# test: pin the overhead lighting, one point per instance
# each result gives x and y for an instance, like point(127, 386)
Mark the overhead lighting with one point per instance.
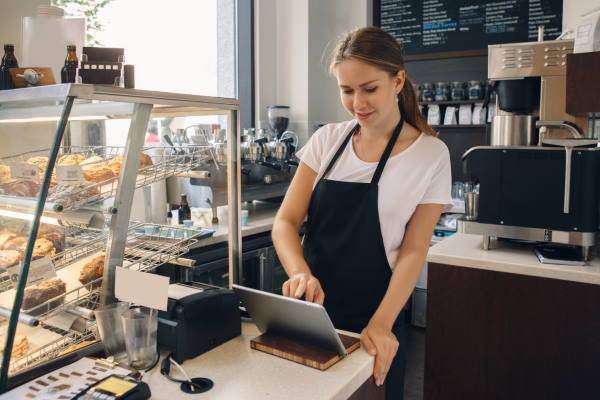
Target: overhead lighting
point(51, 119)
point(27, 217)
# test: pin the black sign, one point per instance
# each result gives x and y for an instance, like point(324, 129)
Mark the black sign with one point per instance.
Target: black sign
point(434, 26)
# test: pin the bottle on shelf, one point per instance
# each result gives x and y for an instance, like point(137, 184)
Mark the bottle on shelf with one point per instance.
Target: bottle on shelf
point(8, 61)
point(169, 215)
point(68, 73)
point(184, 209)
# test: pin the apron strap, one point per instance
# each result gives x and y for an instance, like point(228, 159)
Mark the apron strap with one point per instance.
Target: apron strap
point(387, 152)
point(340, 150)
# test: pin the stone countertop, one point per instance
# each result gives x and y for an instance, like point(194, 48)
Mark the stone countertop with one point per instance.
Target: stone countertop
point(239, 372)
point(466, 250)
point(260, 219)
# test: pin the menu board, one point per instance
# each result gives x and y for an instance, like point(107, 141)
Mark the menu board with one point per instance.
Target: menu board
point(433, 26)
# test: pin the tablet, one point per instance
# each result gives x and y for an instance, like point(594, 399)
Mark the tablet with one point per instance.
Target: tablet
point(294, 318)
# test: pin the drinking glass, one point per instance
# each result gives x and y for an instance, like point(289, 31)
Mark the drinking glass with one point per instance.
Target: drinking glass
point(110, 328)
point(140, 326)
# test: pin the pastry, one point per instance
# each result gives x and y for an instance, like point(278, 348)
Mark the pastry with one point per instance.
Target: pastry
point(4, 238)
point(11, 228)
point(15, 243)
point(92, 270)
point(64, 193)
point(41, 162)
point(5, 175)
point(42, 247)
point(53, 234)
point(90, 160)
point(22, 188)
point(70, 159)
point(20, 346)
point(42, 292)
point(9, 258)
point(116, 162)
point(76, 346)
point(97, 173)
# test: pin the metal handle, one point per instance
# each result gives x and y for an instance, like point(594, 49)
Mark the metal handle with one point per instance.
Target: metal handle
point(23, 318)
point(568, 152)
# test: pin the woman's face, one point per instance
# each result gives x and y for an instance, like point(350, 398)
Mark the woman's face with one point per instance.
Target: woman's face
point(369, 93)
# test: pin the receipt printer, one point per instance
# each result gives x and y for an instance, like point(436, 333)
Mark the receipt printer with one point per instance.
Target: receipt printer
point(198, 318)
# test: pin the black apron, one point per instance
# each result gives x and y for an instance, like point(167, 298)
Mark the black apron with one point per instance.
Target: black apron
point(344, 249)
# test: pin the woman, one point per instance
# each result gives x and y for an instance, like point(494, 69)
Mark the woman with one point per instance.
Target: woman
point(373, 189)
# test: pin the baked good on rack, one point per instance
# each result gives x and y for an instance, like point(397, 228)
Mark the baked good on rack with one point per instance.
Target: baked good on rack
point(5, 174)
point(90, 160)
point(41, 162)
point(70, 159)
point(76, 346)
point(97, 173)
point(67, 193)
point(15, 243)
point(41, 248)
point(11, 228)
point(116, 162)
point(42, 292)
point(5, 237)
point(20, 346)
point(8, 258)
point(22, 188)
point(53, 234)
point(92, 270)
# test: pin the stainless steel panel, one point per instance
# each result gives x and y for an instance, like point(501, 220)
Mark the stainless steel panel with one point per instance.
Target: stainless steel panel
point(513, 130)
point(518, 60)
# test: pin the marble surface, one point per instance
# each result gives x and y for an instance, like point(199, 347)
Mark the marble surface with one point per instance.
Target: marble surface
point(466, 250)
point(239, 372)
point(260, 219)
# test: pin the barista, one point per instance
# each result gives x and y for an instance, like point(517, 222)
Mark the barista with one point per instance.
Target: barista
point(373, 188)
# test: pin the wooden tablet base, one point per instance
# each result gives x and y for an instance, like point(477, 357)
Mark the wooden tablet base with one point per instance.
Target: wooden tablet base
point(302, 353)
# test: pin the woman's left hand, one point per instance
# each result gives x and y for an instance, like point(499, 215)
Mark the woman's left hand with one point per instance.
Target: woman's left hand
point(380, 342)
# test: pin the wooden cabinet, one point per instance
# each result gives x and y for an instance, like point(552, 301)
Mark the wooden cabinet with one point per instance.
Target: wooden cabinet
point(493, 335)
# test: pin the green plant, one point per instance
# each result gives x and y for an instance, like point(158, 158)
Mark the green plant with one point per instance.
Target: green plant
point(89, 9)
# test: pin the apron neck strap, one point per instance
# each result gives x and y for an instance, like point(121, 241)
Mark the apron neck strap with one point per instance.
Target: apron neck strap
point(387, 152)
point(382, 160)
point(340, 150)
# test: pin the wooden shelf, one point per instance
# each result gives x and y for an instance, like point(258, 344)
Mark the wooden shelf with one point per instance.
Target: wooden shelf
point(477, 126)
point(425, 103)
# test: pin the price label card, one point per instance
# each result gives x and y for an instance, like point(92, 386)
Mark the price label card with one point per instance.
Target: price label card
point(40, 270)
point(26, 171)
point(69, 174)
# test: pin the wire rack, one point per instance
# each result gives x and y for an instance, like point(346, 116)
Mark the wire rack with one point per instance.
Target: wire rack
point(51, 350)
point(166, 162)
point(148, 246)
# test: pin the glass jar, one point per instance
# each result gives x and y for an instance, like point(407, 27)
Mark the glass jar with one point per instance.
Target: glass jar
point(442, 91)
point(457, 91)
point(427, 92)
point(475, 90)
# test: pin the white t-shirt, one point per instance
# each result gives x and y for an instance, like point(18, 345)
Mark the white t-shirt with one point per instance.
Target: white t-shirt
point(420, 174)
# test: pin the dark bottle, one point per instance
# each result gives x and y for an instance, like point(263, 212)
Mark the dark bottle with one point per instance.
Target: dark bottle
point(8, 61)
point(184, 209)
point(68, 73)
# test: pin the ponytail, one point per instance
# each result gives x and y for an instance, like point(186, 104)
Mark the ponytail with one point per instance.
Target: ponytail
point(409, 109)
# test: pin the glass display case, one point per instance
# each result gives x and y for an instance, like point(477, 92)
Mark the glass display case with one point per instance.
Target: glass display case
point(82, 191)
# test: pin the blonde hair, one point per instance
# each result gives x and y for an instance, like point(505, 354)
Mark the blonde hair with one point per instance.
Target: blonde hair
point(376, 47)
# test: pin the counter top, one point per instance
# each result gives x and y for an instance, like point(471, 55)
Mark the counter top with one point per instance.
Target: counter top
point(466, 250)
point(260, 219)
point(239, 372)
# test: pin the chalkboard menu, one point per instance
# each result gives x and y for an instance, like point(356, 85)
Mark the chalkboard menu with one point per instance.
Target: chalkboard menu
point(442, 26)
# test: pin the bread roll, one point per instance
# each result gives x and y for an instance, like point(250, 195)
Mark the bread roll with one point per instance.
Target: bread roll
point(42, 292)
point(116, 162)
point(91, 160)
point(97, 173)
point(41, 162)
point(70, 159)
point(8, 258)
point(92, 270)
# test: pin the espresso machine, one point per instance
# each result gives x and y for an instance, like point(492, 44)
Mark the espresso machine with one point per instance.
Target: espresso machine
point(539, 177)
point(268, 162)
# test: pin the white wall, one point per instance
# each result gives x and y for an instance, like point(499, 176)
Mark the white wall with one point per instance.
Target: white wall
point(573, 9)
point(10, 21)
point(293, 39)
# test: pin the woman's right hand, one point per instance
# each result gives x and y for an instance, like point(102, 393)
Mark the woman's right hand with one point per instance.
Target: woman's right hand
point(304, 284)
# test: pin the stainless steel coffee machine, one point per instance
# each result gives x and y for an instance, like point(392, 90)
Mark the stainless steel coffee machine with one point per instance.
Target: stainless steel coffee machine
point(530, 82)
point(539, 180)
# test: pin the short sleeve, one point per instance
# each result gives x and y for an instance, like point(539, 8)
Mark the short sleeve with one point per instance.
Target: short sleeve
point(440, 185)
point(312, 152)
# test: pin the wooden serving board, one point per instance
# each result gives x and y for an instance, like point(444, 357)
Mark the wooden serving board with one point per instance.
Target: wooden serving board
point(302, 353)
